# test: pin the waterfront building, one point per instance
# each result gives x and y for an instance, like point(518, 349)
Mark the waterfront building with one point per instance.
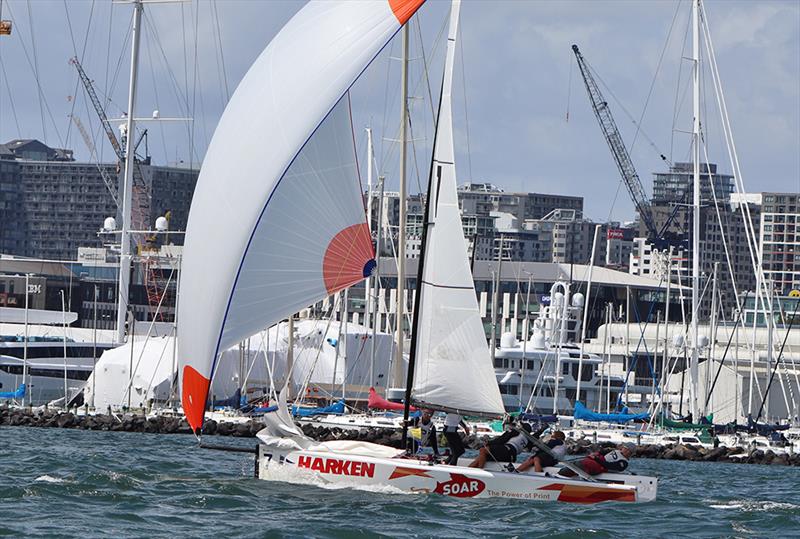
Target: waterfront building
point(50, 204)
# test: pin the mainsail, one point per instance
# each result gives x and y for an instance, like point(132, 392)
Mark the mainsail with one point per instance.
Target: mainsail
point(453, 369)
point(277, 219)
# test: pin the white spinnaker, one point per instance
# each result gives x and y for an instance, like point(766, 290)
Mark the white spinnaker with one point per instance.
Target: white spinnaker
point(453, 369)
point(263, 239)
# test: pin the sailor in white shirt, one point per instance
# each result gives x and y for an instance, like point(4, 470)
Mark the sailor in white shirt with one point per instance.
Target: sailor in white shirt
point(451, 424)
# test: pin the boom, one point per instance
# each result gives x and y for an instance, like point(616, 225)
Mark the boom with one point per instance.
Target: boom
point(621, 156)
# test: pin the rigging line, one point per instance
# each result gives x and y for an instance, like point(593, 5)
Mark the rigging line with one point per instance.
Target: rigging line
point(196, 14)
point(36, 67)
point(221, 55)
point(655, 75)
point(75, 52)
point(10, 96)
point(185, 68)
point(625, 110)
point(386, 99)
point(466, 107)
point(181, 97)
point(414, 154)
point(36, 77)
point(426, 71)
point(216, 54)
point(105, 76)
point(148, 50)
point(676, 104)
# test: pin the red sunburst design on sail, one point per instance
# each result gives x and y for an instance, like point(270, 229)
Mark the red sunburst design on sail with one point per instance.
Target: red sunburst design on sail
point(349, 258)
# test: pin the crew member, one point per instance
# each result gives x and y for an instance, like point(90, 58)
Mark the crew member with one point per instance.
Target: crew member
point(615, 460)
point(428, 431)
point(540, 460)
point(504, 448)
point(454, 442)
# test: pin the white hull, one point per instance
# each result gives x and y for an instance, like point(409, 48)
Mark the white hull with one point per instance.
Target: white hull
point(414, 476)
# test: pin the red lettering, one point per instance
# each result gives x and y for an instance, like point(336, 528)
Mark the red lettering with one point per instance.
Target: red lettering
point(367, 469)
point(337, 467)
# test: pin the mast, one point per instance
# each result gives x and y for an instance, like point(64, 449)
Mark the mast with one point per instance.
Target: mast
point(127, 199)
point(376, 282)
point(712, 339)
point(367, 302)
point(586, 312)
point(447, 82)
point(64, 342)
point(693, 371)
point(665, 357)
point(344, 343)
point(401, 231)
point(25, 347)
point(495, 298)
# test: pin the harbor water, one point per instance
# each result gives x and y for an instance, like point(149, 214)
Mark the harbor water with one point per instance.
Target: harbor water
point(67, 483)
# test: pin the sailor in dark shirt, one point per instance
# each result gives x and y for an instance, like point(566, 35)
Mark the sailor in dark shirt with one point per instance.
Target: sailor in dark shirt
point(504, 448)
point(540, 459)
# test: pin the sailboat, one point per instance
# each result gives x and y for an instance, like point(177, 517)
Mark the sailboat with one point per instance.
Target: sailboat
point(299, 234)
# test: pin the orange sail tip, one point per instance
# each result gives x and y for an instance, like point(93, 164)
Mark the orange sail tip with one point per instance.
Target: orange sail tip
point(195, 392)
point(404, 9)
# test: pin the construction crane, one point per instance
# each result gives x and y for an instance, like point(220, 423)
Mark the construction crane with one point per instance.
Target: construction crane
point(98, 107)
point(141, 193)
point(87, 139)
point(660, 237)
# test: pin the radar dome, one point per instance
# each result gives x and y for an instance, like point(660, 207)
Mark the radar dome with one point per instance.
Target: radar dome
point(677, 341)
point(162, 224)
point(110, 224)
point(508, 340)
point(578, 300)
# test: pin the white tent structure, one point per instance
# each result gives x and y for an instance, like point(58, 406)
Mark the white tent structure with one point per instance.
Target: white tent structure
point(317, 371)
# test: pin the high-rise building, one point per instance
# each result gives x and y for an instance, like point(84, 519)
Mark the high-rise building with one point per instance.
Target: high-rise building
point(50, 204)
point(676, 186)
point(780, 240)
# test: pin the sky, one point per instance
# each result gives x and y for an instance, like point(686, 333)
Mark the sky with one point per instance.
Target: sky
point(522, 118)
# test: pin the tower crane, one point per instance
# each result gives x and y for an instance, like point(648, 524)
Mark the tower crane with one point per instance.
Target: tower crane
point(660, 237)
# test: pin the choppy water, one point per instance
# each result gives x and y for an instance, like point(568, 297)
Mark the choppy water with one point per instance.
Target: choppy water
point(64, 483)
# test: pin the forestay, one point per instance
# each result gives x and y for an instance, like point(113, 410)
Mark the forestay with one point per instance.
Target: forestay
point(277, 219)
point(453, 369)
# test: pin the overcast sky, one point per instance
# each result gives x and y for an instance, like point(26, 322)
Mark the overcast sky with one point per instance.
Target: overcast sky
point(515, 81)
